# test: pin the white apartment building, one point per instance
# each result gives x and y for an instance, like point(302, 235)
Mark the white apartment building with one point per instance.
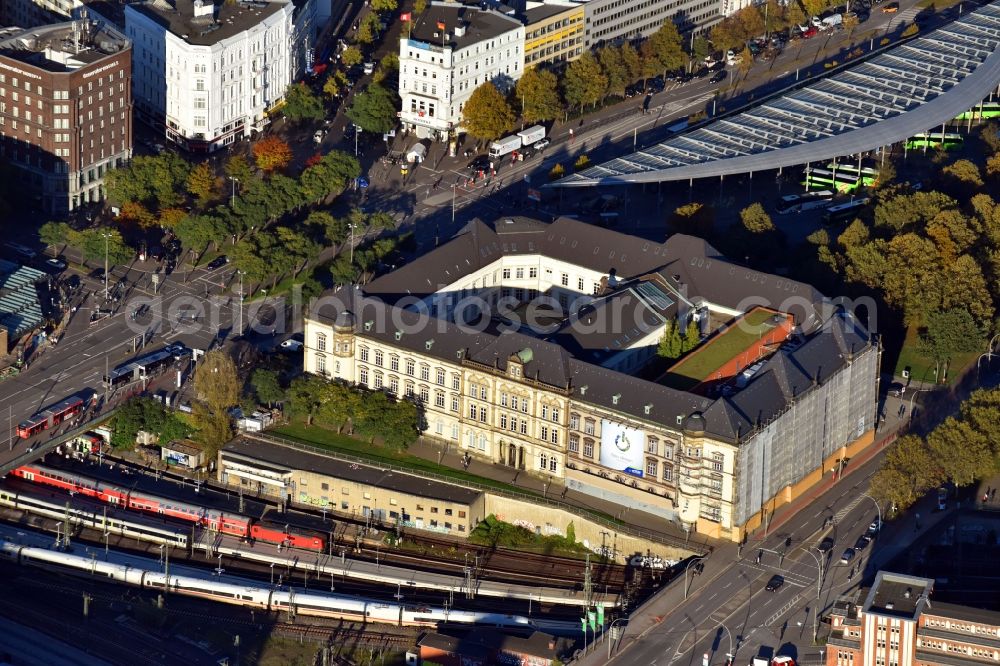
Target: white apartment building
point(451, 50)
point(615, 21)
point(207, 73)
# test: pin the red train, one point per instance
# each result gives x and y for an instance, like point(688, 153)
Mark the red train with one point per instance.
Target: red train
point(213, 519)
point(49, 417)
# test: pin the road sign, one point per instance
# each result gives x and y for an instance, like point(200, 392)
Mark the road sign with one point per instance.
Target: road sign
point(362, 182)
point(704, 659)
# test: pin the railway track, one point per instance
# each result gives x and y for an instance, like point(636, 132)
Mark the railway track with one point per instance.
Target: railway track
point(492, 564)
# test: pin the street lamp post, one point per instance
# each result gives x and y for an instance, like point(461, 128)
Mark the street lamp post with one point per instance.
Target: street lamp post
point(232, 197)
point(240, 330)
point(909, 417)
point(819, 586)
point(106, 236)
point(611, 629)
point(693, 560)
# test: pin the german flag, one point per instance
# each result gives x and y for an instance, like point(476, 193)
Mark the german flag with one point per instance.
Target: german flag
point(440, 25)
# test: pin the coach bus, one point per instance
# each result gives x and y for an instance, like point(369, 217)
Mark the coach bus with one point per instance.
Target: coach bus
point(142, 368)
point(945, 140)
point(840, 181)
point(845, 211)
point(49, 417)
point(985, 111)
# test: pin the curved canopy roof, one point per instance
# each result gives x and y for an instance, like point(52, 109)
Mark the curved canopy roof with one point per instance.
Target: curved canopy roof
point(911, 88)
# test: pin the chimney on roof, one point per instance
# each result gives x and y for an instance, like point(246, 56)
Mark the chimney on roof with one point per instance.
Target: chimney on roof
point(203, 8)
point(552, 643)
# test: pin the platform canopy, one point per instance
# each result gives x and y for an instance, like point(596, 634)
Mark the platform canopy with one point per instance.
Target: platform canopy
point(911, 88)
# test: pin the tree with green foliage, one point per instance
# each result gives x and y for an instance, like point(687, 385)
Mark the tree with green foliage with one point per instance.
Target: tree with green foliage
point(668, 346)
point(301, 104)
point(385, 5)
point(950, 332)
point(266, 386)
point(666, 44)
point(756, 220)
point(203, 184)
point(154, 181)
point(374, 109)
point(701, 48)
point(147, 415)
point(368, 29)
point(305, 396)
point(54, 233)
point(538, 93)
point(100, 243)
point(908, 471)
point(296, 249)
point(583, 82)
point(903, 211)
point(487, 115)
point(613, 66)
point(216, 382)
point(330, 176)
point(962, 452)
point(419, 6)
point(352, 56)
point(965, 172)
point(197, 232)
point(239, 168)
point(692, 336)
point(693, 218)
point(631, 61)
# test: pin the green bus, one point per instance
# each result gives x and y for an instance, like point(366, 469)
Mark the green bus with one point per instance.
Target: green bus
point(846, 167)
point(844, 212)
point(986, 111)
point(944, 140)
point(840, 181)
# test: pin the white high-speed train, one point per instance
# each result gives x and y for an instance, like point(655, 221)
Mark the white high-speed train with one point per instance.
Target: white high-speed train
point(249, 593)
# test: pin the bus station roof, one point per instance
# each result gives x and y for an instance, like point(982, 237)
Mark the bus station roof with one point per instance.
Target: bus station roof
point(911, 88)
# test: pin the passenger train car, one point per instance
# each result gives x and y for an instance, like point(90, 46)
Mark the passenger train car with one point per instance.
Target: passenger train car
point(213, 519)
point(249, 593)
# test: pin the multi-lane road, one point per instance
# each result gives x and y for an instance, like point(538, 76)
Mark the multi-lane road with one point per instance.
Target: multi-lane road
point(729, 611)
point(195, 307)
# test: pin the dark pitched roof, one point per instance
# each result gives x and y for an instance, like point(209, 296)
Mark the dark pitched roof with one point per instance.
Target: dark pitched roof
point(958, 612)
point(479, 25)
point(229, 19)
point(687, 264)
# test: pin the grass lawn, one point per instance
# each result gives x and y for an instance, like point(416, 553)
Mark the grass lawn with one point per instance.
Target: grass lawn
point(707, 359)
point(921, 367)
point(328, 439)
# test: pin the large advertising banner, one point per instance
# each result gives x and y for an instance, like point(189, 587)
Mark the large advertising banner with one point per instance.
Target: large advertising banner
point(622, 447)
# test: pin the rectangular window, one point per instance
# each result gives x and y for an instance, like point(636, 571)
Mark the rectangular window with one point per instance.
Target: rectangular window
point(425, 373)
point(482, 415)
point(532, 272)
point(364, 354)
point(454, 403)
point(456, 383)
point(440, 377)
point(363, 375)
point(394, 363)
point(410, 367)
point(588, 448)
point(520, 273)
point(379, 357)
point(564, 280)
point(506, 274)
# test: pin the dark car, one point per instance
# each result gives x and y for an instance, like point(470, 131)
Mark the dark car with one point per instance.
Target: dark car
point(479, 163)
point(775, 582)
point(862, 542)
point(719, 76)
point(702, 73)
point(826, 545)
point(218, 262)
point(847, 556)
point(73, 282)
point(685, 77)
point(717, 67)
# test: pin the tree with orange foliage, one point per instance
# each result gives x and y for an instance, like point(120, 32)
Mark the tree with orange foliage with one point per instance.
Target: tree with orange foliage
point(170, 217)
point(271, 153)
point(314, 160)
point(133, 211)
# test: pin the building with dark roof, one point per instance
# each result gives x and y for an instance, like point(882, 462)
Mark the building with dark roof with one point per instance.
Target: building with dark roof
point(896, 622)
point(209, 73)
point(553, 32)
point(65, 110)
point(525, 343)
point(450, 50)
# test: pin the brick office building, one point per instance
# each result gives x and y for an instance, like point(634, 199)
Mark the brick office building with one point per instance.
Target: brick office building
point(65, 110)
point(895, 623)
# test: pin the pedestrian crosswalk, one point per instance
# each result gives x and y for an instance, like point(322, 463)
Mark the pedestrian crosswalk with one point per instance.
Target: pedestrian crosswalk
point(906, 16)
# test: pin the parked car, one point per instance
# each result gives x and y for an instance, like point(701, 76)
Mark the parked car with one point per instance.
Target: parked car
point(218, 262)
point(55, 265)
point(479, 163)
point(369, 68)
point(178, 350)
point(847, 556)
point(719, 76)
point(291, 345)
point(774, 583)
point(891, 8)
point(875, 527)
point(826, 545)
point(897, 389)
point(318, 136)
point(862, 542)
point(809, 32)
point(541, 145)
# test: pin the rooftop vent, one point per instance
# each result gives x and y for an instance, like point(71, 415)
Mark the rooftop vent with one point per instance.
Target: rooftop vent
point(889, 605)
point(615, 398)
point(460, 30)
point(368, 325)
point(203, 8)
point(428, 344)
point(909, 591)
point(648, 408)
point(399, 335)
point(525, 355)
point(583, 390)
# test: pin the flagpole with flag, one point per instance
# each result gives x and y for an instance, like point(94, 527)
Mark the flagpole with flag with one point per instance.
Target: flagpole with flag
point(442, 27)
point(408, 17)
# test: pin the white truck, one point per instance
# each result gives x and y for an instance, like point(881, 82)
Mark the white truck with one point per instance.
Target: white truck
point(531, 135)
point(833, 21)
point(504, 146)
